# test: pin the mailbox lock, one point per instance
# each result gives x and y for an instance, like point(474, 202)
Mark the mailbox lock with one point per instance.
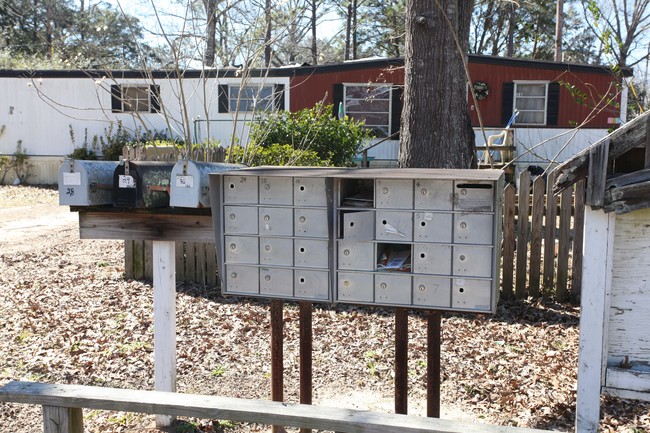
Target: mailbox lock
point(422, 288)
point(302, 187)
point(302, 219)
point(384, 190)
point(267, 218)
point(463, 191)
point(302, 249)
point(302, 279)
point(267, 247)
point(422, 255)
point(462, 258)
point(234, 275)
point(232, 186)
point(233, 246)
point(463, 225)
point(461, 290)
point(267, 186)
point(267, 277)
point(423, 191)
point(383, 285)
point(346, 252)
point(233, 216)
point(346, 283)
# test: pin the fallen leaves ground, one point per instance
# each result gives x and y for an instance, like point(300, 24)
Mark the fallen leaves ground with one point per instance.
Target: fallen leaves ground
point(68, 316)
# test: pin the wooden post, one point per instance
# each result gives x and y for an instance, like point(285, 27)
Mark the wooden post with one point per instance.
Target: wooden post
point(164, 321)
point(596, 284)
point(522, 235)
point(62, 419)
point(277, 355)
point(401, 360)
point(434, 342)
point(536, 237)
point(508, 258)
point(305, 356)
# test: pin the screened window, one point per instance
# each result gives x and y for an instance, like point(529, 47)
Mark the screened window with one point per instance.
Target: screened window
point(370, 103)
point(530, 102)
point(139, 98)
point(250, 98)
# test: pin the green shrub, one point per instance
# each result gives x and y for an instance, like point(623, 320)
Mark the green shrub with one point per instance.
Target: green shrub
point(275, 154)
point(334, 140)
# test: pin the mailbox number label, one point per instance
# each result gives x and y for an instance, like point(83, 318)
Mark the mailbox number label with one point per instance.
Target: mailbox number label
point(185, 181)
point(72, 178)
point(69, 191)
point(126, 181)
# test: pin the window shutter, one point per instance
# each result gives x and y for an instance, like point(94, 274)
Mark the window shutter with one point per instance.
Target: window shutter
point(337, 95)
point(278, 97)
point(553, 104)
point(154, 94)
point(507, 102)
point(396, 111)
point(223, 98)
point(116, 98)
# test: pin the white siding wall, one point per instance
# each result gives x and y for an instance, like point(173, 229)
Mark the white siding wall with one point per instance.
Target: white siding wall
point(40, 113)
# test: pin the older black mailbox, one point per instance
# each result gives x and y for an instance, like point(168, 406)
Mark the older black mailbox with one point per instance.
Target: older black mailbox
point(142, 184)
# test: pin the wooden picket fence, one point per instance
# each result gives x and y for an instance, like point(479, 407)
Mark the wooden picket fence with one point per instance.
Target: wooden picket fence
point(542, 238)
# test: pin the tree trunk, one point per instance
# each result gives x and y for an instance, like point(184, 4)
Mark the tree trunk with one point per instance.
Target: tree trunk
point(354, 30)
point(348, 31)
point(267, 35)
point(211, 31)
point(436, 130)
point(314, 46)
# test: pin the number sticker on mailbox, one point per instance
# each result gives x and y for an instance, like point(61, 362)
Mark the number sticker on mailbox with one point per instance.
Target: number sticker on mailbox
point(72, 179)
point(126, 181)
point(185, 181)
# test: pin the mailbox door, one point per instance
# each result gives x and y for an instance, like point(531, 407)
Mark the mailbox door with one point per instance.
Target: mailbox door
point(276, 190)
point(434, 194)
point(472, 294)
point(356, 256)
point(242, 249)
point(431, 291)
point(240, 220)
point(309, 191)
point(474, 195)
point(311, 284)
point(359, 225)
point(239, 189)
point(276, 221)
point(473, 228)
point(276, 251)
point(432, 227)
point(394, 194)
point(311, 253)
point(355, 287)
point(394, 226)
point(242, 279)
point(391, 288)
point(472, 261)
point(311, 223)
point(277, 282)
point(432, 259)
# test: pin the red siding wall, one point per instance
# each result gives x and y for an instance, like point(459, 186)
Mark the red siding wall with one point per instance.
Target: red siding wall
point(308, 89)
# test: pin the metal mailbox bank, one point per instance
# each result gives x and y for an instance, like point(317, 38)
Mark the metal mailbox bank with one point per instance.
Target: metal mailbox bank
point(420, 238)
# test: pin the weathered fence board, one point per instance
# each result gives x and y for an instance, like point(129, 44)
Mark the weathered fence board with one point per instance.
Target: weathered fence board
point(578, 237)
point(550, 225)
point(561, 289)
point(536, 236)
point(508, 259)
point(522, 235)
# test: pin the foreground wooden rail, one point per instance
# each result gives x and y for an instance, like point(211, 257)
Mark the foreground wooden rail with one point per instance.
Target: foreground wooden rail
point(62, 410)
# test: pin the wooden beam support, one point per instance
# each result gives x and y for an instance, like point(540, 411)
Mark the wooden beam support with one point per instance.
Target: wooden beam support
point(628, 198)
point(238, 410)
point(62, 420)
point(164, 320)
point(598, 159)
point(145, 226)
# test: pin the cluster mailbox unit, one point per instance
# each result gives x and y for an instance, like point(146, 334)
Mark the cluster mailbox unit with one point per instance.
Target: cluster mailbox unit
point(423, 238)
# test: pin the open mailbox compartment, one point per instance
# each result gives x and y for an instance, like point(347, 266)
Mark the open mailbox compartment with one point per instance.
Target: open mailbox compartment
point(420, 238)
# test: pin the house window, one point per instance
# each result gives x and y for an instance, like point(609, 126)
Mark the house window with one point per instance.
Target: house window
point(530, 102)
point(130, 99)
point(370, 103)
point(237, 98)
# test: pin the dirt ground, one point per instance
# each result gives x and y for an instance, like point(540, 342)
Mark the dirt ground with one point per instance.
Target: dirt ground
point(67, 315)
